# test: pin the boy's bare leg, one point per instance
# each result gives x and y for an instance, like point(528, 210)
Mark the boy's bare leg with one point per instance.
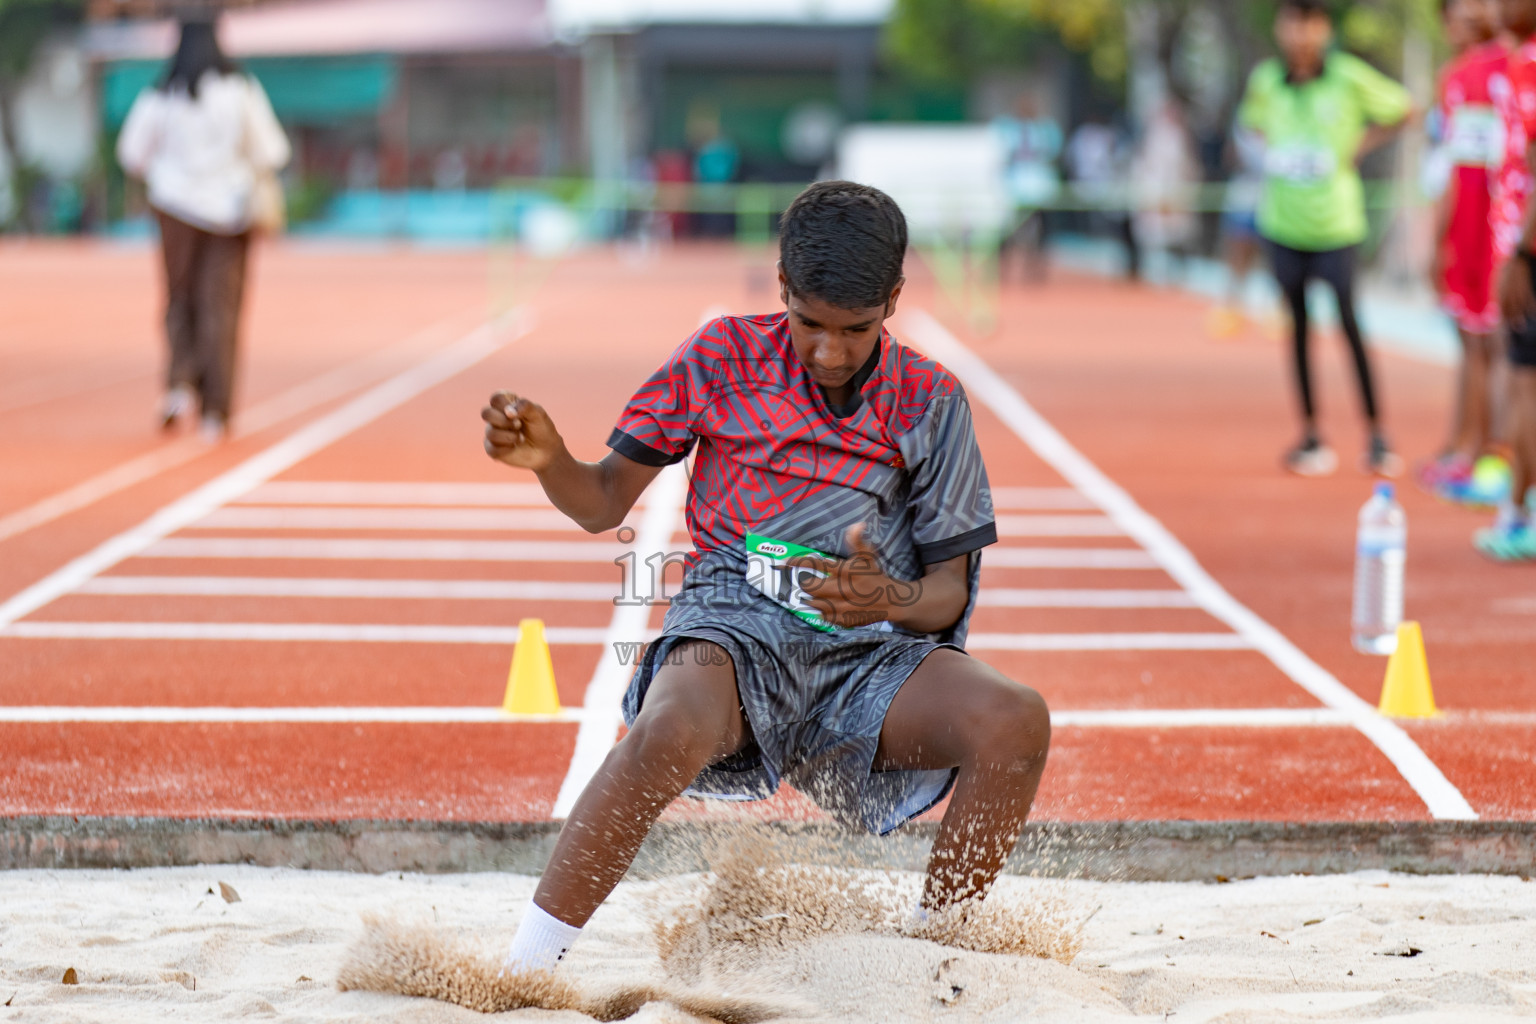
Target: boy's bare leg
point(691, 717)
point(1522, 432)
point(957, 712)
point(1474, 408)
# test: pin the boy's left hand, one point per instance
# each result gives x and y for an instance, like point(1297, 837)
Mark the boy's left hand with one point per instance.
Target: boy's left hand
point(854, 591)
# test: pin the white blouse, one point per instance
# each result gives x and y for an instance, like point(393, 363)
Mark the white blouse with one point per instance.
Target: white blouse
point(200, 157)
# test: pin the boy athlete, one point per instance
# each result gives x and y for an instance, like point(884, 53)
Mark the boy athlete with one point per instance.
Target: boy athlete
point(1472, 140)
point(1319, 113)
point(1511, 538)
point(813, 429)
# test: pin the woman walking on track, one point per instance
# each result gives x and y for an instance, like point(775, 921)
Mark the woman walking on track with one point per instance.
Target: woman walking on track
point(1319, 113)
point(207, 144)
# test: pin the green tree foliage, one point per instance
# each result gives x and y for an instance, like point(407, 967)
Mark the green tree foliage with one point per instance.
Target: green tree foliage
point(955, 39)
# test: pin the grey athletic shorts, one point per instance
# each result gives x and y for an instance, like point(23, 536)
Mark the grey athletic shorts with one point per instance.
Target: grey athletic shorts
point(814, 701)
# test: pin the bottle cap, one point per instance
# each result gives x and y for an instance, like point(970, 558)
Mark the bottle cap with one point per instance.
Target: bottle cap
point(1383, 489)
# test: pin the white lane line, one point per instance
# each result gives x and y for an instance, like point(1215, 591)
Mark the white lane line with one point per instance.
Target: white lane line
point(1003, 557)
point(1184, 718)
point(1057, 526)
point(345, 549)
point(1107, 642)
point(1442, 798)
point(284, 517)
point(605, 691)
point(1011, 597)
point(1040, 499)
point(1151, 718)
point(322, 586)
point(297, 446)
point(302, 632)
point(274, 410)
point(371, 492)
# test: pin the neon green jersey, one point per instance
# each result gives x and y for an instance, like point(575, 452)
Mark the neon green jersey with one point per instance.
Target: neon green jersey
point(1312, 198)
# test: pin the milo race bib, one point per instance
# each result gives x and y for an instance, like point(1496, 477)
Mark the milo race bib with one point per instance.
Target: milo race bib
point(1475, 137)
point(781, 583)
point(1300, 163)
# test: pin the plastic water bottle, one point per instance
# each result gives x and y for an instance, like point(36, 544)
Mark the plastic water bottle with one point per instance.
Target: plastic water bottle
point(1381, 548)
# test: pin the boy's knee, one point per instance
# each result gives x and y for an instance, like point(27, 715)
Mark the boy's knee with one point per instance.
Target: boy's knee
point(1013, 726)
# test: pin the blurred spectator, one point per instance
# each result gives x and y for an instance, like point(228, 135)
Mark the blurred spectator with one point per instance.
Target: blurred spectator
point(1033, 143)
point(1239, 224)
point(207, 144)
point(1165, 172)
point(1320, 113)
point(1096, 159)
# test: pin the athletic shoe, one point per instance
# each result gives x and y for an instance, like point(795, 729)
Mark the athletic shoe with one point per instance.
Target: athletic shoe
point(212, 430)
point(176, 404)
point(1507, 542)
point(1434, 475)
point(1225, 323)
point(1381, 460)
point(1483, 488)
point(1311, 458)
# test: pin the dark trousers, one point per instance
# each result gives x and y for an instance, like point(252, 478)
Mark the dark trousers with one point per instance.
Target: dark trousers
point(204, 283)
point(1293, 268)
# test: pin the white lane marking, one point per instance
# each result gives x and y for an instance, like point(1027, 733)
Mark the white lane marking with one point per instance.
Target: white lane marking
point(1107, 642)
point(1150, 718)
point(322, 586)
point(605, 691)
point(1442, 798)
point(296, 400)
point(1183, 718)
point(1003, 557)
point(1011, 597)
point(346, 549)
point(283, 517)
point(161, 714)
point(301, 632)
point(297, 446)
point(376, 492)
point(1039, 499)
point(1057, 526)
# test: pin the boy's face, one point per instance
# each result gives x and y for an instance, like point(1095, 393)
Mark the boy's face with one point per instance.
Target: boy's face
point(1302, 36)
point(831, 341)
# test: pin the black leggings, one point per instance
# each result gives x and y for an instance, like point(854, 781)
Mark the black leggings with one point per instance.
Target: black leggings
point(1293, 269)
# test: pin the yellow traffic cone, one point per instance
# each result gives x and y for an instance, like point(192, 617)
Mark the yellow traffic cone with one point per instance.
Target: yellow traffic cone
point(531, 682)
point(1406, 692)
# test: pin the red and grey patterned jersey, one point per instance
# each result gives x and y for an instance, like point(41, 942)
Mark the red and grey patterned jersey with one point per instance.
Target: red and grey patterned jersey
point(773, 459)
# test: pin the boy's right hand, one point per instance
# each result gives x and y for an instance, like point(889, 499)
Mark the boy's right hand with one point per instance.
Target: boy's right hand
point(520, 433)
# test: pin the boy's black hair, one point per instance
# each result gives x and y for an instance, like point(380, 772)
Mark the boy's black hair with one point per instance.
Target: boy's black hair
point(1307, 8)
point(843, 243)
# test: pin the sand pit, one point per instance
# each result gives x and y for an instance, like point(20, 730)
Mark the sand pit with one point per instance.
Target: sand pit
point(163, 944)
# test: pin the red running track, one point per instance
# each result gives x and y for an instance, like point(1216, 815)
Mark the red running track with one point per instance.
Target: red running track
point(240, 664)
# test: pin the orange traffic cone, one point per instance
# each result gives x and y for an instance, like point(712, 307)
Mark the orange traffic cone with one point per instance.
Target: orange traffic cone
point(1406, 693)
point(531, 681)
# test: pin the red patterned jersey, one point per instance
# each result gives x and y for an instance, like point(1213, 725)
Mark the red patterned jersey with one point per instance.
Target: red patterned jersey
point(774, 459)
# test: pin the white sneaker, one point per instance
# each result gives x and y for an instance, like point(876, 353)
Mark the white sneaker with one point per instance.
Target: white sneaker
point(212, 430)
point(176, 404)
point(1311, 458)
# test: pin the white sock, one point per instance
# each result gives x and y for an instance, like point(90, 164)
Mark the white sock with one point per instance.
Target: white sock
point(542, 940)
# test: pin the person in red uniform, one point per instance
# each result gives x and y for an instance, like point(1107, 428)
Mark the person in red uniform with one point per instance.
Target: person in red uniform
point(1511, 538)
point(1471, 139)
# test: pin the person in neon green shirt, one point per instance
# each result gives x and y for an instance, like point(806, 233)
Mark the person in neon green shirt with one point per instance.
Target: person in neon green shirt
point(1318, 112)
